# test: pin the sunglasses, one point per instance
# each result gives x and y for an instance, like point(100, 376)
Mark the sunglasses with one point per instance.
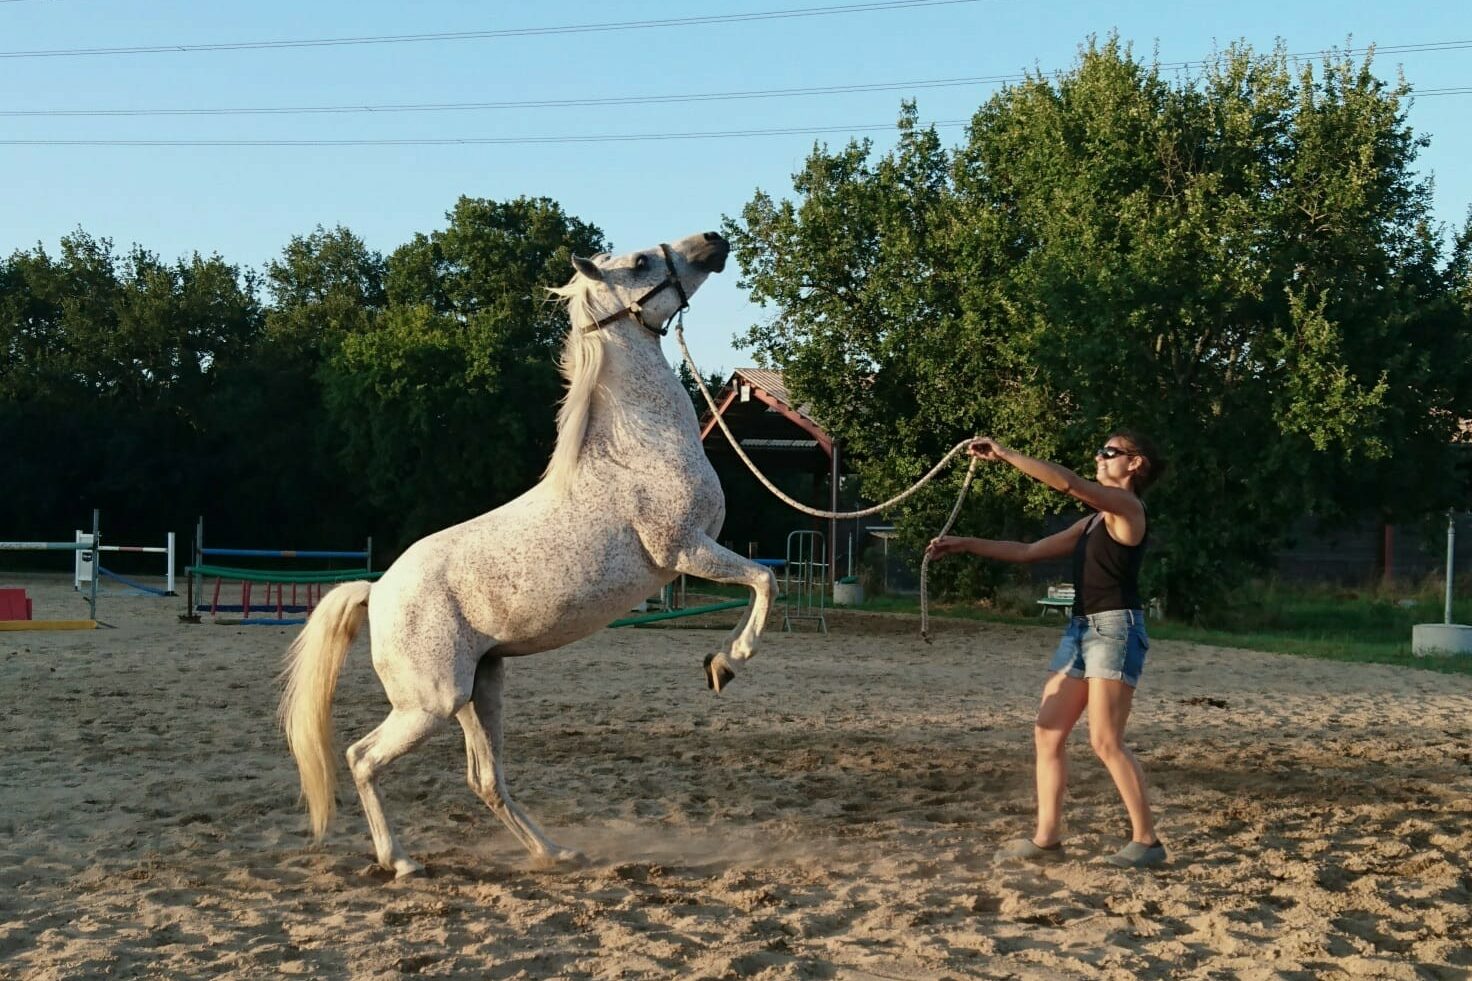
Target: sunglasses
point(1110, 452)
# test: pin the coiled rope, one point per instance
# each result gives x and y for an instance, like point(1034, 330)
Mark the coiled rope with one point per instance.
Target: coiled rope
point(841, 515)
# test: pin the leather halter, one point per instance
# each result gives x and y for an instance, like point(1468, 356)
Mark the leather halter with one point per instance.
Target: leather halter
point(636, 309)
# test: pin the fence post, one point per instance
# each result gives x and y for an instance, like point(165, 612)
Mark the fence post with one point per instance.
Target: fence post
point(1451, 555)
point(96, 555)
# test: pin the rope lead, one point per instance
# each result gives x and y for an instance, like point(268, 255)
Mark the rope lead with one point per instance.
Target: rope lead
point(839, 515)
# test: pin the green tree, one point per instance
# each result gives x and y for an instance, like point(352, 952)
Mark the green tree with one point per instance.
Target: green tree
point(325, 284)
point(271, 443)
point(108, 358)
point(445, 406)
point(1242, 265)
point(714, 381)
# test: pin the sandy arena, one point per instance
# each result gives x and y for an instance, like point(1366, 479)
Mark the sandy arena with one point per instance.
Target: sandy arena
point(832, 814)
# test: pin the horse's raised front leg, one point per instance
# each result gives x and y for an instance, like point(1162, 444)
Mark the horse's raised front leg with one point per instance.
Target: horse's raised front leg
point(481, 720)
point(708, 560)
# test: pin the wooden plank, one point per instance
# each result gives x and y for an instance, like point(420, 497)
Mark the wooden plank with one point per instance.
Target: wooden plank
point(13, 625)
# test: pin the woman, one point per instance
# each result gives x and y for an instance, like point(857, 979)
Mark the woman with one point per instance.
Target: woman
point(1099, 660)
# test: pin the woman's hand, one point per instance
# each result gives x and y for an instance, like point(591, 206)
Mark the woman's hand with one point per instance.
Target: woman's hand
point(986, 448)
point(945, 545)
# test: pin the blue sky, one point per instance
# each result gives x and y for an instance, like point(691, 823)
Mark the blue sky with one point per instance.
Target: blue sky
point(247, 202)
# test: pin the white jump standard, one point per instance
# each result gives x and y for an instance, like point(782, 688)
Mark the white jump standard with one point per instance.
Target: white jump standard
point(87, 564)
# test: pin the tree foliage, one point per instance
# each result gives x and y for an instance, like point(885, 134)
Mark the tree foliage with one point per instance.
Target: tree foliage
point(362, 395)
point(1242, 265)
point(107, 360)
point(445, 405)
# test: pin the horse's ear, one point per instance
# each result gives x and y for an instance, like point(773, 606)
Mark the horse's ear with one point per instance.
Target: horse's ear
point(587, 267)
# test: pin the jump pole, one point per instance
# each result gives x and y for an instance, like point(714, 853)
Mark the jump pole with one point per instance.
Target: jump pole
point(694, 611)
point(78, 547)
point(88, 570)
point(198, 554)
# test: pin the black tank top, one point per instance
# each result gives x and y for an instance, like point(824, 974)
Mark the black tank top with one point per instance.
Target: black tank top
point(1106, 574)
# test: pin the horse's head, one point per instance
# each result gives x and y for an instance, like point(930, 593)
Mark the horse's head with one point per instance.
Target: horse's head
point(648, 287)
point(631, 298)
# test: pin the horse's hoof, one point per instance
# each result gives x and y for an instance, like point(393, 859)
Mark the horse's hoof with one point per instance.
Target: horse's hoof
point(717, 675)
point(559, 857)
point(406, 867)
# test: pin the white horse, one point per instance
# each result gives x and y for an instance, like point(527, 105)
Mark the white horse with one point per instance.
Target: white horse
point(628, 502)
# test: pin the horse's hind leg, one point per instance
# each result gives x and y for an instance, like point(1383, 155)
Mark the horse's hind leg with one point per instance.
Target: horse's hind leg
point(481, 720)
point(398, 734)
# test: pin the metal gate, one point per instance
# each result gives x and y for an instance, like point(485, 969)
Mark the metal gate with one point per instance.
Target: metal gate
point(805, 579)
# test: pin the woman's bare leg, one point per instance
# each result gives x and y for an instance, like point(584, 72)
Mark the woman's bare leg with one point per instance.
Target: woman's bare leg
point(1109, 704)
point(1064, 700)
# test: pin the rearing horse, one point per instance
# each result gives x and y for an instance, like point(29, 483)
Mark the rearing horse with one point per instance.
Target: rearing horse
point(628, 502)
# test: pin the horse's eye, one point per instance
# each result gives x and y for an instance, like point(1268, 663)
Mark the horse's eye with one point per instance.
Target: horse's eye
point(641, 263)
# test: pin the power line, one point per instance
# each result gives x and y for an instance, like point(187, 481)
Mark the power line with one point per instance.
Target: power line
point(669, 99)
point(538, 140)
point(534, 103)
point(488, 140)
point(630, 25)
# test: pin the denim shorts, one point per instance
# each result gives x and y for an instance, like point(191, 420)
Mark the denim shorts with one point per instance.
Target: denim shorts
point(1108, 645)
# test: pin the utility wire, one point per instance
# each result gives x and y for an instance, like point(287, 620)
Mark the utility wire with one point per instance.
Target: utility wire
point(931, 83)
point(628, 25)
point(543, 140)
point(488, 140)
point(533, 103)
point(540, 140)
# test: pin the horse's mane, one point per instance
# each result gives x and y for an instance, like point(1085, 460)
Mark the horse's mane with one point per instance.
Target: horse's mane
point(581, 362)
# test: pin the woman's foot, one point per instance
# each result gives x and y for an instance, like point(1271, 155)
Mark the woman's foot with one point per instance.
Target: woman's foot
point(1027, 850)
point(1138, 855)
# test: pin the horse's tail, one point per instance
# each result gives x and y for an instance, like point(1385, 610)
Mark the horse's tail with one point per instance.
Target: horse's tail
point(310, 677)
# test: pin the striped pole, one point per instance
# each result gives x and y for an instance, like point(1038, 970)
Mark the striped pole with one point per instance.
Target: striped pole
point(76, 547)
point(166, 550)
